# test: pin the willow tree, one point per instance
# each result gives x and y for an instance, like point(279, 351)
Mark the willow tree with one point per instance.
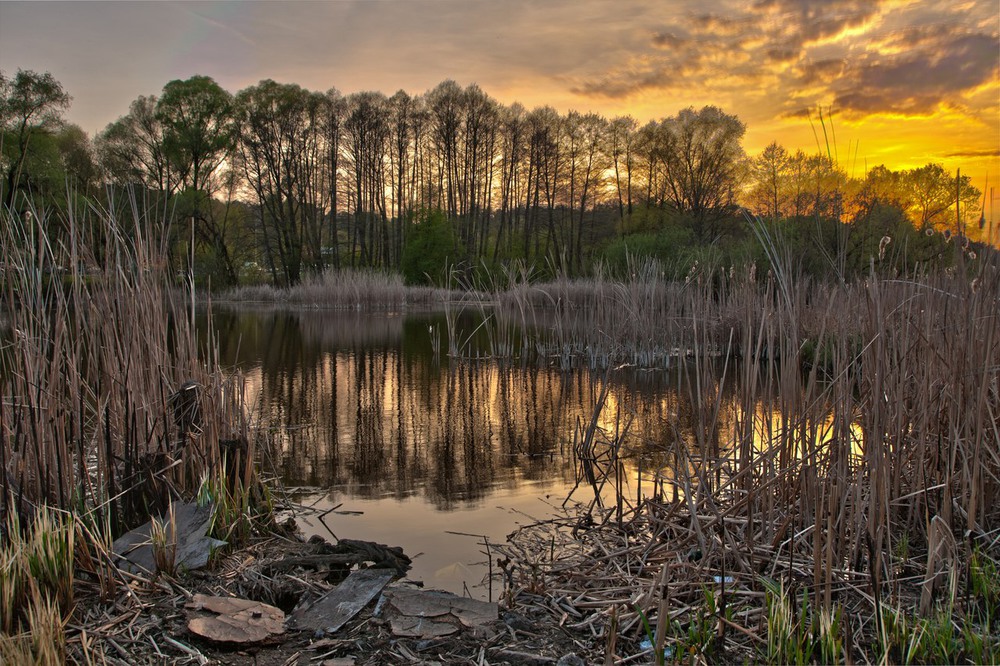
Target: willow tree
point(199, 134)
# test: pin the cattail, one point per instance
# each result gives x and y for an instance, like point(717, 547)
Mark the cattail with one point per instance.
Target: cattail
point(882, 245)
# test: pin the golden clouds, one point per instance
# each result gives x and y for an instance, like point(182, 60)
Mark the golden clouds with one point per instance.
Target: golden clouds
point(858, 55)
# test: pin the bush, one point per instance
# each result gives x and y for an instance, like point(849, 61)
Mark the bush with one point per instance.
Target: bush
point(430, 246)
point(666, 246)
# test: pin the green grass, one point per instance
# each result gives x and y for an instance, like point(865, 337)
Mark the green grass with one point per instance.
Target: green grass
point(36, 587)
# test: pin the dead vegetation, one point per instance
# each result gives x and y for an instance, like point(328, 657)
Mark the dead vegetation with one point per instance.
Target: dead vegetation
point(846, 510)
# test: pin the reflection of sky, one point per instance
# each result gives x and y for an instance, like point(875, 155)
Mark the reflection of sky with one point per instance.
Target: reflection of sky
point(442, 559)
point(913, 82)
point(358, 406)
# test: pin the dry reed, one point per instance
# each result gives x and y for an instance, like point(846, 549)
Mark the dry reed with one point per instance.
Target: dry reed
point(858, 471)
point(93, 418)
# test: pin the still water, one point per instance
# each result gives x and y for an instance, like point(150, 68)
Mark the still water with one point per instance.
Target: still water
point(414, 447)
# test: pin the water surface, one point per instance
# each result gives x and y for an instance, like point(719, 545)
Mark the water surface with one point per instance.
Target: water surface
point(367, 418)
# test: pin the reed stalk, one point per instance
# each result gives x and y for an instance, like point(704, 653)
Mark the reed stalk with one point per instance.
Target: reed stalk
point(93, 418)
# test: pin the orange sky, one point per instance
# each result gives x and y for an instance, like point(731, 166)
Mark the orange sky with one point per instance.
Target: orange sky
point(909, 82)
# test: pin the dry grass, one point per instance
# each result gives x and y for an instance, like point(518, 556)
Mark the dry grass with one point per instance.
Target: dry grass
point(364, 290)
point(92, 418)
point(859, 472)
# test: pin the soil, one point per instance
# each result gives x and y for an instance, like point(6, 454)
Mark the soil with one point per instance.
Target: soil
point(145, 620)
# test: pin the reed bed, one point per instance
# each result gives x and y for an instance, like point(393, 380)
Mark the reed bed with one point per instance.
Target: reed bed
point(847, 509)
point(109, 405)
point(354, 289)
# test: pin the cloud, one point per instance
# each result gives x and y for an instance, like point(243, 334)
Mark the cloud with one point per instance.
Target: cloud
point(931, 67)
point(778, 55)
point(669, 40)
point(968, 154)
point(720, 27)
point(815, 20)
point(862, 56)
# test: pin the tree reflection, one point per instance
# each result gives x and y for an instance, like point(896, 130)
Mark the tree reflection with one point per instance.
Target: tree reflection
point(358, 402)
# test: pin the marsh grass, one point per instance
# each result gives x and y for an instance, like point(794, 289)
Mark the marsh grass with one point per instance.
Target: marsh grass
point(43, 640)
point(110, 407)
point(859, 464)
point(36, 588)
point(366, 290)
point(163, 538)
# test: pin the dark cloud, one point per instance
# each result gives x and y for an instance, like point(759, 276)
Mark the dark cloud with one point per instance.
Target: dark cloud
point(798, 113)
point(669, 40)
point(718, 26)
point(813, 20)
point(619, 85)
point(828, 70)
point(782, 55)
point(939, 66)
point(975, 153)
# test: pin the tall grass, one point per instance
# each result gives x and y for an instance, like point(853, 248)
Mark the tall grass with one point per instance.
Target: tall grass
point(92, 417)
point(858, 471)
point(365, 290)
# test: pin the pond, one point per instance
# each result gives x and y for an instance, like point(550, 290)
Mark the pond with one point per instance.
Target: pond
point(418, 450)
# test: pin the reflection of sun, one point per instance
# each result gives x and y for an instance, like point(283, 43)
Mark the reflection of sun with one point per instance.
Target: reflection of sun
point(768, 428)
point(611, 415)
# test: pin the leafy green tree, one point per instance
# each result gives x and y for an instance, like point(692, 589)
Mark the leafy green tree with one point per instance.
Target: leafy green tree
point(932, 194)
point(31, 104)
point(769, 174)
point(77, 156)
point(131, 150)
point(199, 133)
point(702, 157)
point(430, 245)
point(198, 128)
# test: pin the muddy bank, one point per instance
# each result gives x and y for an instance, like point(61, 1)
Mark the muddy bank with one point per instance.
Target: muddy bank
point(284, 600)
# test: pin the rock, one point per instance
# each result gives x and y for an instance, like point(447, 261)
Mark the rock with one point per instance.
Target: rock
point(193, 549)
point(432, 613)
point(334, 609)
point(235, 620)
point(570, 660)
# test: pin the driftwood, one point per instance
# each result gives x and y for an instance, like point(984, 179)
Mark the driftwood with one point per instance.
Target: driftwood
point(348, 552)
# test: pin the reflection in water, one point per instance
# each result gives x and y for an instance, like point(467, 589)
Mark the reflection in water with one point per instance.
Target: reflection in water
point(360, 407)
point(360, 404)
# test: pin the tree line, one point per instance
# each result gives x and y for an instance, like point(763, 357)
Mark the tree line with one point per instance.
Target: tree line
point(278, 182)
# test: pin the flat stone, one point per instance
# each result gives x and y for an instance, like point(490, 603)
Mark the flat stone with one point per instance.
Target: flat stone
point(194, 546)
point(433, 613)
point(336, 608)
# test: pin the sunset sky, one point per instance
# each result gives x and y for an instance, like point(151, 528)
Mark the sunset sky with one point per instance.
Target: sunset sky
point(909, 82)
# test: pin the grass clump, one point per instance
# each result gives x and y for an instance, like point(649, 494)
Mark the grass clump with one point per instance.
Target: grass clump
point(36, 588)
point(798, 633)
point(239, 506)
point(367, 290)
